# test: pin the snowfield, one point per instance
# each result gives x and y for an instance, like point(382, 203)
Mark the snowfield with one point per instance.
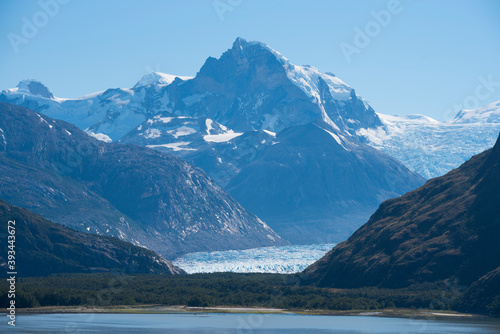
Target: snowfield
point(432, 148)
point(282, 260)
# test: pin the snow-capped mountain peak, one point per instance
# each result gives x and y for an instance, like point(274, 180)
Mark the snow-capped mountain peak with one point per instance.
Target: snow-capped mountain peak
point(487, 114)
point(306, 77)
point(253, 71)
point(31, 87)
point(157, 78)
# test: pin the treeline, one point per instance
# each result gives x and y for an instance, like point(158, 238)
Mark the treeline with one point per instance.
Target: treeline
point(228, 289)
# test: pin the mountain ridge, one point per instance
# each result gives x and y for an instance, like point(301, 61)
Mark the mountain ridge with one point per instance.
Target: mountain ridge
point(46, 248)
point(307, 79)
point(138, 194)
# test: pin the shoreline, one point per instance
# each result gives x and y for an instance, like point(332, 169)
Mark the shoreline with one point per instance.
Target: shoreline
point(423, 314)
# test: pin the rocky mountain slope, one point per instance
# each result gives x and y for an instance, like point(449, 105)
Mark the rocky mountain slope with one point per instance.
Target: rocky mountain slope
point(448, 229)
point(316, 185)
point(241, 119)
point(45, 248)
point(432, 148)
point(134, 193)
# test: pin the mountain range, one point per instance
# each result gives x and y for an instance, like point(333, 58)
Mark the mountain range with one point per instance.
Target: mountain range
point(137, 194)
point(280, 138)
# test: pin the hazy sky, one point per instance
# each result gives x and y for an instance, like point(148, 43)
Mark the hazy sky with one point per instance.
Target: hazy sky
point(428, 57)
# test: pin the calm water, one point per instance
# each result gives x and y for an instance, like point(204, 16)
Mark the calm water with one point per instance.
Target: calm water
point(238, 323)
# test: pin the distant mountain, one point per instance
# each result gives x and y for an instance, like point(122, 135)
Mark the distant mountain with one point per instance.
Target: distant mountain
point(253, 87)
point(315, 185)
point(242, 119)
point(250, 87)
point(448, 229)
point(488, 114)
point(432, 148)
point(134, 193)
point(304, 181)
point(45, 248)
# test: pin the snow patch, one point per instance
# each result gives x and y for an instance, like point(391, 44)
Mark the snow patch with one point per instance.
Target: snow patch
point(152, 133)
point(100, 136)
point(337, 138)
point(270, 133)
point(43, 120)
point(222, 137)
point(182, 131)
point(3, 138)
point(159, 118)
point(208, 124)
point(174, 146)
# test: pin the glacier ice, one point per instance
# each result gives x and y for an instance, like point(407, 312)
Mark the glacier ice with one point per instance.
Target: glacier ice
point(432, 148)
point(282, 260)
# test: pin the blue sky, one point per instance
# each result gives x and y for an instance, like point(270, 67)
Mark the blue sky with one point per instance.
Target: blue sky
point(431, 58)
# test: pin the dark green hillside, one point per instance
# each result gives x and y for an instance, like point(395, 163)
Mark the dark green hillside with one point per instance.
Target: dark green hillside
point(446, 230)
point(45, 248)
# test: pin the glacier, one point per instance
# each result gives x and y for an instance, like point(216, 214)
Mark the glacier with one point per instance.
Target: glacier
point(433, 148)
point(276, 259)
